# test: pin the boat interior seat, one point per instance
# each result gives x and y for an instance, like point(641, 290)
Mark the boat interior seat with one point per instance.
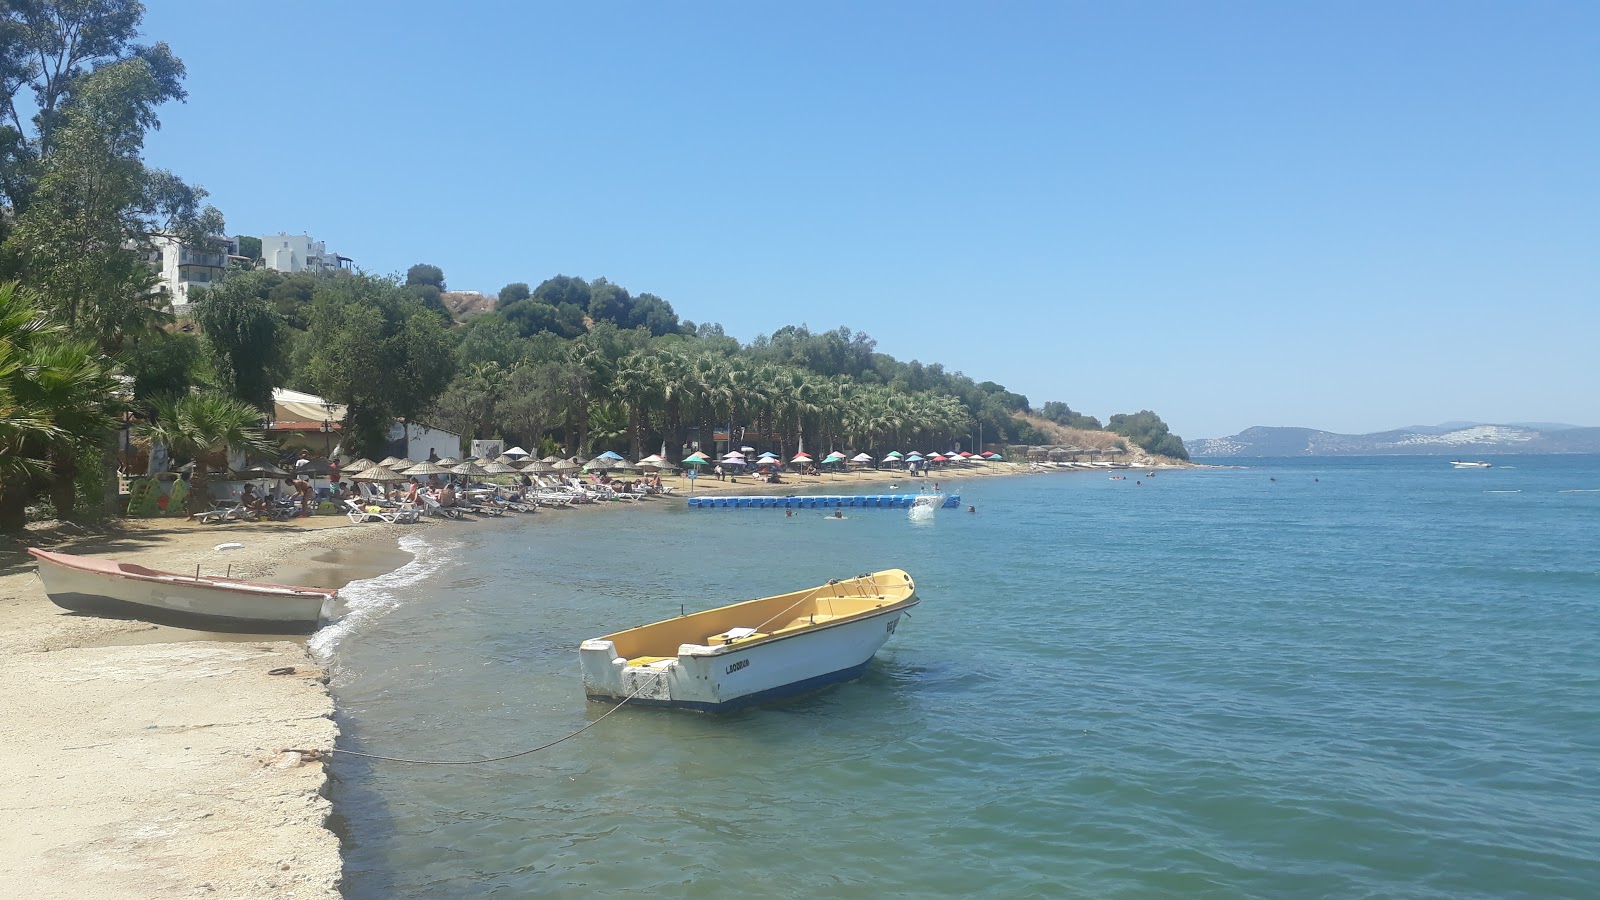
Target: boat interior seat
point(648, 660)
point(806, 621)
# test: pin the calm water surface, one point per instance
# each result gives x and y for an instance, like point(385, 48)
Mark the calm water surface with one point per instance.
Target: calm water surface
point(1318, 678)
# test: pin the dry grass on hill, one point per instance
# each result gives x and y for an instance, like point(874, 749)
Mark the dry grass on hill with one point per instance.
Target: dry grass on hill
point(1062, 436)
point(463, 305)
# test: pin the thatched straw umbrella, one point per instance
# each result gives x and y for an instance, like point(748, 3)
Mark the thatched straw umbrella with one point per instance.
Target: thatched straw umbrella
point(471, 470)
point(360, 465)
point(377, 473)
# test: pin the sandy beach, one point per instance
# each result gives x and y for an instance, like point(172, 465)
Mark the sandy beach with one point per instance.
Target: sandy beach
point(142, 760)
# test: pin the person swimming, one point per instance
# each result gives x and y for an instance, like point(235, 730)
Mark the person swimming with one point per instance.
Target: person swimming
point(972, 509)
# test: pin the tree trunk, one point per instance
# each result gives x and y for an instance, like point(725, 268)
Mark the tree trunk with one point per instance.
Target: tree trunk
point(63, 484)
point(199, 499)
point(13, 504)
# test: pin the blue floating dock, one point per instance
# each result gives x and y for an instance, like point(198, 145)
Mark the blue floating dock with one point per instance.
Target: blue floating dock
point(815, 501)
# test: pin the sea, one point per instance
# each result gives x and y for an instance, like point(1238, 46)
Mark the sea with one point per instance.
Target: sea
point(1314, 677)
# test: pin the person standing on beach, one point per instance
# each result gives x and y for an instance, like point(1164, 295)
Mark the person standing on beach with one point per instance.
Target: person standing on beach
point(302, 487)
point(718, 471)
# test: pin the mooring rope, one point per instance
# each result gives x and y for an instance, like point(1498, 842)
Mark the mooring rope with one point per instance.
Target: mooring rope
point(317, 754)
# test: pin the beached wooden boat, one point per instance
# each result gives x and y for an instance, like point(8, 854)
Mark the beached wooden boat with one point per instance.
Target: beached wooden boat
point(205, 602)
point(732, 656)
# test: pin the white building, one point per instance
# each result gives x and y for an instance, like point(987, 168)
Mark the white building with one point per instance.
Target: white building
point(291, 253)
point(182, 267)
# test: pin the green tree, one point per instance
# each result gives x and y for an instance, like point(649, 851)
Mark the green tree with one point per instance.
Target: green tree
point(423, 273)
point(163, 364)
point(49, 49)
point(204, 428)
point(373, 347)
point(1062, 414)
point(1146, 429)
point(249, 247)
point(245, 339)
point(71, 242)
point(512, 293)
point(58, 403)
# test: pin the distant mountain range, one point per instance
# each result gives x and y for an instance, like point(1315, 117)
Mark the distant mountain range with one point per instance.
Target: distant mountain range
point(1468, 438)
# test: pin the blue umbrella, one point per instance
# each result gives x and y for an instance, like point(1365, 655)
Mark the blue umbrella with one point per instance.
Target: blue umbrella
point(610, 454)
point(915, 457)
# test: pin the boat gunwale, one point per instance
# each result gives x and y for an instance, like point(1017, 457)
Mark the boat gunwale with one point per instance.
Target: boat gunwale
point(911, 594)
point(711, 650)
point(111, 569)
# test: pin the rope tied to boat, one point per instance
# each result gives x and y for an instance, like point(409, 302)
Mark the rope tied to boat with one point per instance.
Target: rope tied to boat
point(319, 754)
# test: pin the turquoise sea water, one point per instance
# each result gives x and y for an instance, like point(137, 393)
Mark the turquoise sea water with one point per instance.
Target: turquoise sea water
point(1307, 678)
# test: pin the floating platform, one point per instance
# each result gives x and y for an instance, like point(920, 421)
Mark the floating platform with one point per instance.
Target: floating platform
point(819, 501)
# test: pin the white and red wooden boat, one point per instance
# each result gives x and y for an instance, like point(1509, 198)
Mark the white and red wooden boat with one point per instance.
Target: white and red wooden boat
point(204, 602)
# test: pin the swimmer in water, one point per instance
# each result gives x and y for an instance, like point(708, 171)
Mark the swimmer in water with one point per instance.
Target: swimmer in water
point(837, 514)
point(788, 513)
point(972, 509)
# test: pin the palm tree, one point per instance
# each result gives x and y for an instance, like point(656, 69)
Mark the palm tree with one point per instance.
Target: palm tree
point(58, 401)
point(204, 428)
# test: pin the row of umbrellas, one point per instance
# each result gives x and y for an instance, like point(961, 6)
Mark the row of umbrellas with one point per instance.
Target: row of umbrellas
point(769, 458)
point(511, 463)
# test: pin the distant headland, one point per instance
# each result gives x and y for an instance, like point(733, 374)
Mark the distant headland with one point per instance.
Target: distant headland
point(1416, 440)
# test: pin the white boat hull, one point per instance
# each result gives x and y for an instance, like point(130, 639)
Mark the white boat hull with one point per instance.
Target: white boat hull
point(728, 677)
point(187, 602)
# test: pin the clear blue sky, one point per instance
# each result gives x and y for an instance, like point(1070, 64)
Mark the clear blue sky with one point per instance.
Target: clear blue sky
point(1350, 216)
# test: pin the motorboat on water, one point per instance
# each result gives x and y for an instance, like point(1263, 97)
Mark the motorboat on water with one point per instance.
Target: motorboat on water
point(732, 656)
point(1477, 464)
point(203, 602)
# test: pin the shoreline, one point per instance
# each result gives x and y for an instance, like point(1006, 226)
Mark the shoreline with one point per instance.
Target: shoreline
point(189, 724)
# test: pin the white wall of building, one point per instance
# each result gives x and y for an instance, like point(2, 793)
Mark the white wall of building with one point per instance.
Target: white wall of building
point(420, 439)
point(182, 268)
point(291, 253)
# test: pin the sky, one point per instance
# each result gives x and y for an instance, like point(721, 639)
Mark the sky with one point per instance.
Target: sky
point(1352, 216)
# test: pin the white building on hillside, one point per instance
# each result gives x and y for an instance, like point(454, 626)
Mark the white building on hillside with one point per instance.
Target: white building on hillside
point(182, 267)
point(291, 253)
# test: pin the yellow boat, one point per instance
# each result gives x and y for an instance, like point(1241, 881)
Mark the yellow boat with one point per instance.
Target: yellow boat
point(732, 656)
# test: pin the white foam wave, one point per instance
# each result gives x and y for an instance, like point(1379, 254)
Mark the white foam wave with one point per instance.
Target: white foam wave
point(370, 599)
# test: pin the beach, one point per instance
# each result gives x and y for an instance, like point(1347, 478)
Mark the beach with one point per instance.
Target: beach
point(144, 760)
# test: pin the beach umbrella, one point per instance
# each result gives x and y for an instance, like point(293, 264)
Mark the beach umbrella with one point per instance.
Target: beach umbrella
point(651, 460)
point(469, 469)
point(610, 454)
point(263, 467)
point(551, 459)
point(316, 467)
point(801, 457)
point(517, 451)
point(427, 468)
point(861, 457)
point(835, 456)
point(537, 467)
point(377, 473)
point(965, 454)
point(939, 457)
point(500, 468)
point(915, 457)
point(566, 465)
point(359, 466)
point(697, 458)
point(388, 461)
point(893, 454)
point(733, 454)
point(747, 449)
point(997, 458)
